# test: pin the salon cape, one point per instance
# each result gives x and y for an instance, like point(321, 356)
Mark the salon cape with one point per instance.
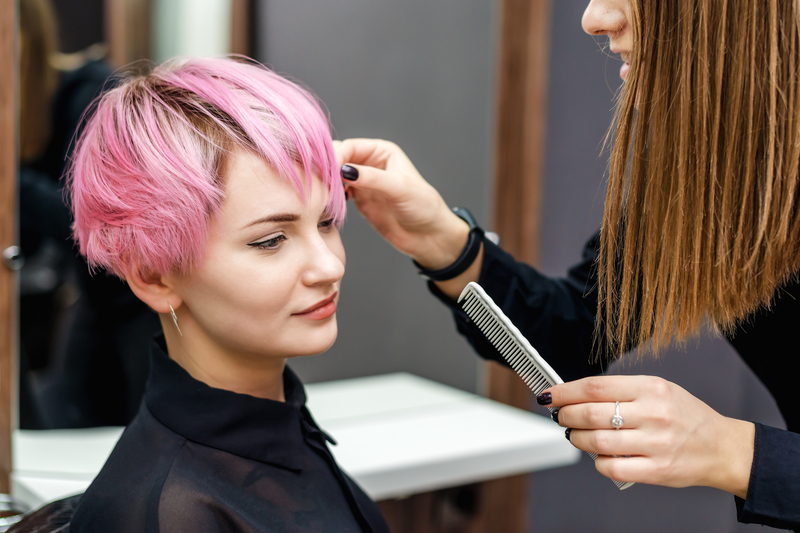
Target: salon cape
point(202, 459)
point(557, 316)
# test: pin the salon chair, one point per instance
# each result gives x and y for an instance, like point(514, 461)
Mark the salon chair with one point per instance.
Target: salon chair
point(52, 518)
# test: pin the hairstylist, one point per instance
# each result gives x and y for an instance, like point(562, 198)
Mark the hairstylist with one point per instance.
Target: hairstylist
point(705, 158)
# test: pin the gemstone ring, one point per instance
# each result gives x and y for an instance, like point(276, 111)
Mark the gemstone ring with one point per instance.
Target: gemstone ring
point(617, 420)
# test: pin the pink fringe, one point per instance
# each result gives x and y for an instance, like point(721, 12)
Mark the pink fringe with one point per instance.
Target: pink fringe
point(143, 182)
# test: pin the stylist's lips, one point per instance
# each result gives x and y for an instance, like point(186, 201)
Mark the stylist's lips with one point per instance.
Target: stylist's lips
point(320, 310)
point(623, 71)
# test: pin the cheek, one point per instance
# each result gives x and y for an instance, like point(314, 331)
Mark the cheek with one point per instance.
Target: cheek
point(239, 300)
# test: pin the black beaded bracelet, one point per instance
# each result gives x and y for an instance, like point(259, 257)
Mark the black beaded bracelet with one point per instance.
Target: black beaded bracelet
point(467, 256)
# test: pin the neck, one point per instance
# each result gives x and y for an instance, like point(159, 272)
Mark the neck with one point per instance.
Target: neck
point(222, 368)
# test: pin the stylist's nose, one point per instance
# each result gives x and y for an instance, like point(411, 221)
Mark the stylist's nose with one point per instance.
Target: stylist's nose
point(603, 17)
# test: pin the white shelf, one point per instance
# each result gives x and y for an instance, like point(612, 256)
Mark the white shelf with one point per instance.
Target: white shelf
point(397, 435)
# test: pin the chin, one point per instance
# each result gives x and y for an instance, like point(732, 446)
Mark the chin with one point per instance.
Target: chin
point(317, 349)
point(316, 342)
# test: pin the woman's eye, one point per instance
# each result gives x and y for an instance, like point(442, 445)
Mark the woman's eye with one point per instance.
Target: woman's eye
point(269, 244)
point(326, 223)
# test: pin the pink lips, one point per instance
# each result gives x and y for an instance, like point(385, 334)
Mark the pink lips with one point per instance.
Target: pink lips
point(320, 310)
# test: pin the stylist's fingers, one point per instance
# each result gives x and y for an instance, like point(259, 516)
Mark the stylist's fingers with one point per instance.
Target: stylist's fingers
point(391, 184)
point(380, 166)
point(378, 153)
point(603, 389)
point(337, 149)
point(395, 199)
point(360, 151)
point(599, 415)
point(611, 442)
point(636, 469)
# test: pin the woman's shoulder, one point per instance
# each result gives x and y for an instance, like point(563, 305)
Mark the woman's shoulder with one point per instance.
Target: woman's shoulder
point(125, 494)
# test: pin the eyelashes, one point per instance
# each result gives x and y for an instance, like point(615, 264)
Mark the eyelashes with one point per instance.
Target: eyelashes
point(273, 243)
point(269, 244)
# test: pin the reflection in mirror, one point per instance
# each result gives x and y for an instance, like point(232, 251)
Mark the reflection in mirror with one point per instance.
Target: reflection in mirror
point(78, 332)
point(82, 333)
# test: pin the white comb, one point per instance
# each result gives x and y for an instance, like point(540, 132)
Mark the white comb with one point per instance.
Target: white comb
point(512, 345)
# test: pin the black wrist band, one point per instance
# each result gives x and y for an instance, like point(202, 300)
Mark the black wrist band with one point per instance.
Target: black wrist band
point(467, 256)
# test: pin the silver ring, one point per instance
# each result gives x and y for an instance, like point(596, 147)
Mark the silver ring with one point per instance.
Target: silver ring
point(617, 420)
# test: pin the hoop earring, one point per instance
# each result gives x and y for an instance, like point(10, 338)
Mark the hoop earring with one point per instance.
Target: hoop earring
point(175, 319)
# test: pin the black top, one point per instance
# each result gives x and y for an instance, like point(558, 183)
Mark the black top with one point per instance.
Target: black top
point(557, 316)
point(202, 459)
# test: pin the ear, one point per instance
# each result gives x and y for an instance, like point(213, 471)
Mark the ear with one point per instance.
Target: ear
point(155, 290)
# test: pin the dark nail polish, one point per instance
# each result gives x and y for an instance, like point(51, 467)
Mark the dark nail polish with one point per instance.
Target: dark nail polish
point(544, 399)
point(346, 195)
point(567, 432)
point(349, 173)
point(554, 416)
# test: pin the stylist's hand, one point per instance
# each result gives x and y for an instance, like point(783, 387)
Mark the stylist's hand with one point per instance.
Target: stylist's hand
point(673, 438)
point(404, 209)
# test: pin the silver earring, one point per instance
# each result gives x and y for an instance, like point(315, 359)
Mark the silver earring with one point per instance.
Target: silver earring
point(175, 319)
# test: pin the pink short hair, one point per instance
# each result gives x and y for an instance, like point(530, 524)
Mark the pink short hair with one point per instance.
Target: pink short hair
point(145, 177)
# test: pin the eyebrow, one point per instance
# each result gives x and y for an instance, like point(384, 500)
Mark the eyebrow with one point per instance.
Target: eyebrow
point(281, 217)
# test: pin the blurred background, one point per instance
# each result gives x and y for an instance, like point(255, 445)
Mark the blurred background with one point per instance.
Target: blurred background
point(422, 74)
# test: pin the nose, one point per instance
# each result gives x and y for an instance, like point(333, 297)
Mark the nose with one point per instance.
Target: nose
point(323, 266)
point(603, 17)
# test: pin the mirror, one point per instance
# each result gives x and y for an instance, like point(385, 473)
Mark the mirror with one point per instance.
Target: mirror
point(84, 338)
point(62, 67)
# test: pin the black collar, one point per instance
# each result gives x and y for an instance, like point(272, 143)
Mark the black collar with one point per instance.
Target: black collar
point(263, 430)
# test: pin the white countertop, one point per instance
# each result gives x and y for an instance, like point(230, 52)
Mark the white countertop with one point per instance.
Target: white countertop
point(397, 435)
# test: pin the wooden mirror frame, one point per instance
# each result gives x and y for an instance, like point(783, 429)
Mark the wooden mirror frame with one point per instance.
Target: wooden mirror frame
point(521, 123)
point(9, 71)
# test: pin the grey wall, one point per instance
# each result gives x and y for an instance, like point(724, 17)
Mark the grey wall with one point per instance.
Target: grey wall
point(418, 73)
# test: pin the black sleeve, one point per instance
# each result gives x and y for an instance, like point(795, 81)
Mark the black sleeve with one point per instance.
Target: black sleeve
point(557, 315)
point(774, 490)
point(767, 341)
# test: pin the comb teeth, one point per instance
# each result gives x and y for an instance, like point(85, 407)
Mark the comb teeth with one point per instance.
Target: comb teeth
point(512, 345)
point(508, 341)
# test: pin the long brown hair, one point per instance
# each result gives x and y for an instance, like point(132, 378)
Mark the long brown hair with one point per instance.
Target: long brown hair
point(702, 216)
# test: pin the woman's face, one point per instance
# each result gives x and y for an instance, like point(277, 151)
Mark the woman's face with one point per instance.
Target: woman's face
point(269, 282)
point(611, 18)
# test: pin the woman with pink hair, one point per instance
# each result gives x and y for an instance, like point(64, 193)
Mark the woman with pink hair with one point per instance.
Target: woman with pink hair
point(211, 187)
